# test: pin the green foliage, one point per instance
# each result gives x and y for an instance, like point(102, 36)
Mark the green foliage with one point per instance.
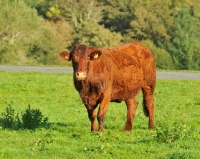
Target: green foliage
point(146, 25)
point(85, 16)
point(8, 118)
point(35, 31)
point(76, 11)
point(162, 57)
point(33, 118)
point(63, 38)
point(93, 34)
point(53, 11)
point(44, 7)
point(24, 37)
point(167, 133)
point(185, 44)
point(117, 14)
point(155, 20)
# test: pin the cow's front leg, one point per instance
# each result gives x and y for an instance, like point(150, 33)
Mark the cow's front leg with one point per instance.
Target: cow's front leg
point(102, 112)
point(92, 116)
point(131, 109)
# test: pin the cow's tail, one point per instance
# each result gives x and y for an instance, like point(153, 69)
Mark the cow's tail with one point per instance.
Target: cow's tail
point(145, 110)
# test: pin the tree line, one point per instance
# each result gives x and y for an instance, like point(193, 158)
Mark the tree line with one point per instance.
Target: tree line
point(33, 32)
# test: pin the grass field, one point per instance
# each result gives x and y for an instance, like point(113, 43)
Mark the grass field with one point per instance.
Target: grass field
point(67, 134)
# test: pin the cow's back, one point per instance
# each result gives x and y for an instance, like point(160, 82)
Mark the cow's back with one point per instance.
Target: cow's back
point(132, 65)
point(140, 56)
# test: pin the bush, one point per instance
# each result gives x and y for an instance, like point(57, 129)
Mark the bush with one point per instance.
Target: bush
point(8, 118)
point(31, 119)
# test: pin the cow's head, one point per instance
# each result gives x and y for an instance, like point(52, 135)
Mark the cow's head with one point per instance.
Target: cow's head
point(81, 57)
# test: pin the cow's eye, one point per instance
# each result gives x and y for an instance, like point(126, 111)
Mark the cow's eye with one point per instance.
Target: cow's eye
point(74, 59)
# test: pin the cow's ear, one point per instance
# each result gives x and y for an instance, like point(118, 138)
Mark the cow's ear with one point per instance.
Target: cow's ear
point(65, 55)
point(95, 55)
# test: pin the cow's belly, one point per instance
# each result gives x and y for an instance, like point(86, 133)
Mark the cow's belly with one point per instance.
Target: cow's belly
point(124, 94)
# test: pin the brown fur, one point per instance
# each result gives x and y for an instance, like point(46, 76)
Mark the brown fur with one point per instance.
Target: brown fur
point(114, 75)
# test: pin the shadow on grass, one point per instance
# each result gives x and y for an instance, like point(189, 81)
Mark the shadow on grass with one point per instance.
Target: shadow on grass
point(61, 127)
point(18, 126)
point(30, 119)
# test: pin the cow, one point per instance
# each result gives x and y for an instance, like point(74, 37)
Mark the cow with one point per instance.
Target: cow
point(104, 75)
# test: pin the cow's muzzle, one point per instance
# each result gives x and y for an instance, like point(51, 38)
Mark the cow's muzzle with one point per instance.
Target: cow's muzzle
point(80, 75)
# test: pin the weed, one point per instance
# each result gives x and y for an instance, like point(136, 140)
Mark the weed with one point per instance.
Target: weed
point(167, 133)
point(41, 144)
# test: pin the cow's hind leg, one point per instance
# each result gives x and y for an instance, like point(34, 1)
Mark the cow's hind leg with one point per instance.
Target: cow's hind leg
point(92, 116)
point(148, 104)
point(131, 109)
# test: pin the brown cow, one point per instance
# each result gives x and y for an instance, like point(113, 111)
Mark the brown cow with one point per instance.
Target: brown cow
point(114, 75)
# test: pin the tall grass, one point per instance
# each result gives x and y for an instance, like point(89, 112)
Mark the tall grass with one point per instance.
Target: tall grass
point(176, 133)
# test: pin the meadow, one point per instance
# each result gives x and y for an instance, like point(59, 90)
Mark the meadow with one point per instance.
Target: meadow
point(67, 133)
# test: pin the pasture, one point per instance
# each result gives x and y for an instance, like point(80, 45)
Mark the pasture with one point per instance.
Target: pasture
point(67, 133)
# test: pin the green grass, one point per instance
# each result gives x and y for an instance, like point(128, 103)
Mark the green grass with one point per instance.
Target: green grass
point(177, 112)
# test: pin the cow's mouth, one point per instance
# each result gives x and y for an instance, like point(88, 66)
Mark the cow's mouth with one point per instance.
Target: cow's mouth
point(80, 79)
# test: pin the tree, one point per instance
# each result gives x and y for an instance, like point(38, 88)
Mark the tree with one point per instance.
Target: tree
point(194, 8)
point(63, 38)
point(185, 44)
point(85, 16)
point(77, 11)
point(24, 37)
point(117, 14)
point(161, 56)
point(42, 6)
point(170, 27)
point(93, 34)
point(149, 21)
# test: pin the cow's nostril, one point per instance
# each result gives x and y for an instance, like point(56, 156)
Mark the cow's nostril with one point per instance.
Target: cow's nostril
point(81, 75)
